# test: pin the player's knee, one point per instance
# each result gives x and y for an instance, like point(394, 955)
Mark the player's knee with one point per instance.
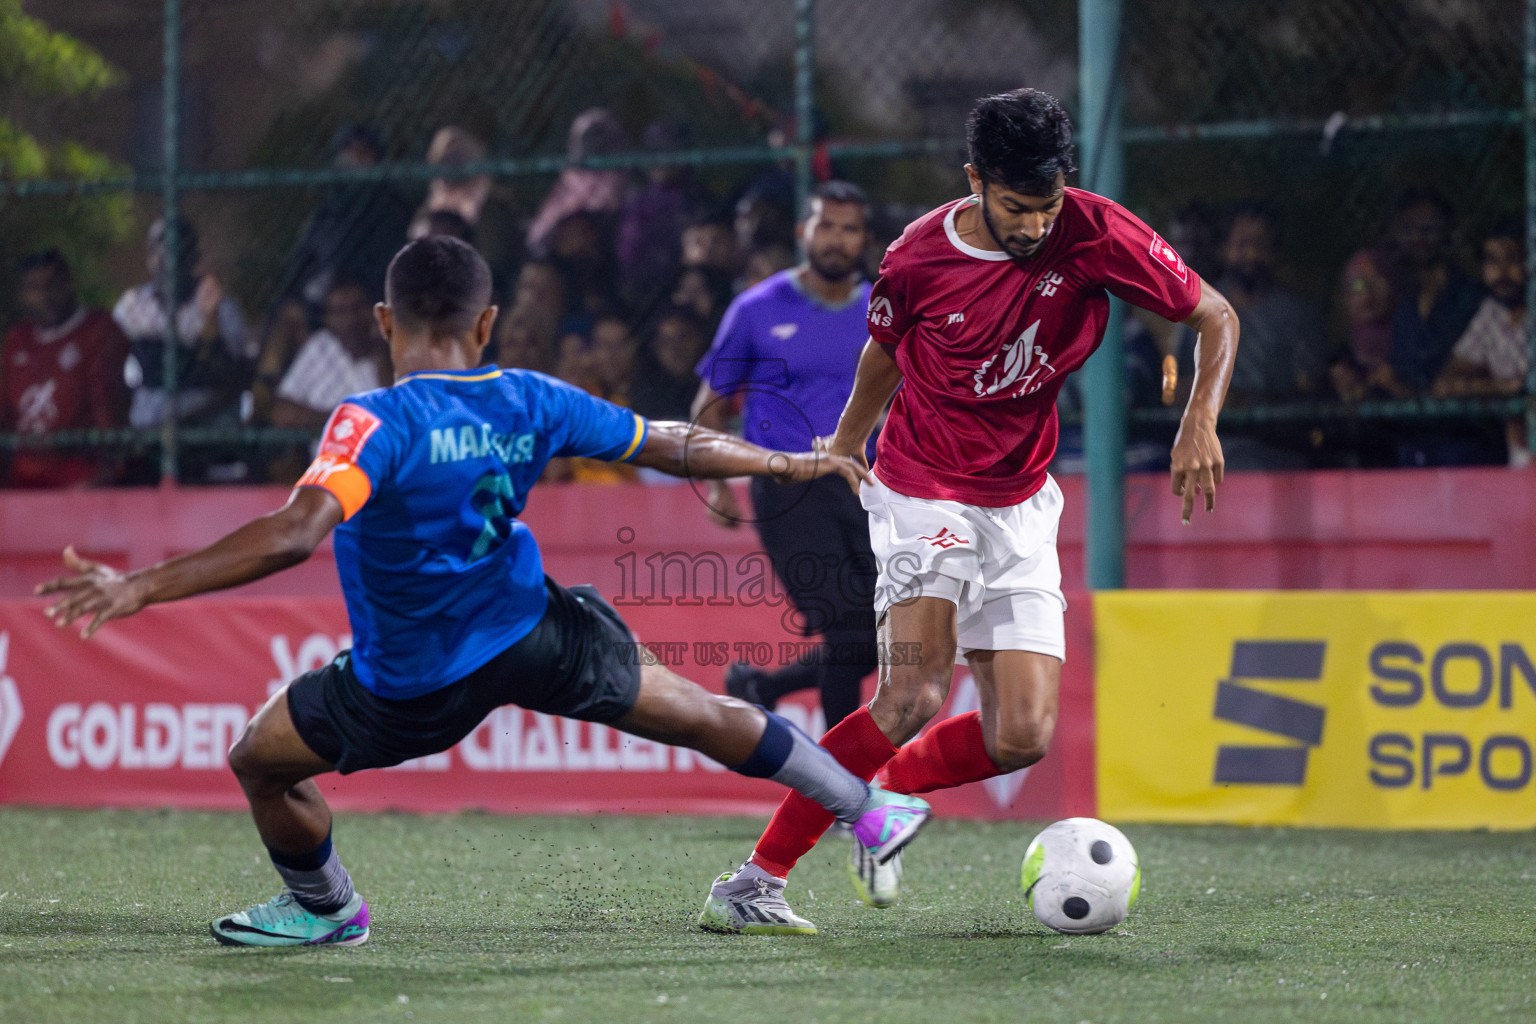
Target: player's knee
point(245, 760)
point(903, 707)
point(1021, 744)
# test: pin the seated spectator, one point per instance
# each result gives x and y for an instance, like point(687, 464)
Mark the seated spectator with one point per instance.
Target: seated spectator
point(1365, 290)
point(581, 246)
point(528, 331)
point(651, 225)
point(601, 365)
point(665, 383)
point(61, 369)
point(356, 229)
point(1435, 300)
point(215, 359)
point(442, 222)
point(709, 242)
point(1282, 356)
point(486, 208)
point(706, 291)
point(345, 357)
point(1492, 357)
point(594, 132)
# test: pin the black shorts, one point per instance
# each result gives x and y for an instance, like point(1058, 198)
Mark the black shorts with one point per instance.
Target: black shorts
point(579, 661)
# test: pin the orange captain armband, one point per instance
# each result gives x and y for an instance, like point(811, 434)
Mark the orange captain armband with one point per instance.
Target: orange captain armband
point(335, 467)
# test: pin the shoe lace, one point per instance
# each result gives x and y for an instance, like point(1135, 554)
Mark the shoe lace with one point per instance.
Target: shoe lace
point(279, 910)
point(770, 897)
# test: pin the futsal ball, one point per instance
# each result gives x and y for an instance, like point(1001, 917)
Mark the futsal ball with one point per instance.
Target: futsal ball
point(1081, 876)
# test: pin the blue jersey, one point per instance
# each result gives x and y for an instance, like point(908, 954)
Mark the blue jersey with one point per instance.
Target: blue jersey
point(439, 574)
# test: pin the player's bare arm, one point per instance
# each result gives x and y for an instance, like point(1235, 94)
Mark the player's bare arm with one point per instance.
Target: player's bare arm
point(689, 450)
point(1197, 461)
point(709, 410)
point(260, 548)
point(877, 379)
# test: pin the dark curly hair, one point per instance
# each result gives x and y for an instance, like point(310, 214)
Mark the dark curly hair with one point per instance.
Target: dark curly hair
point(1021, 140)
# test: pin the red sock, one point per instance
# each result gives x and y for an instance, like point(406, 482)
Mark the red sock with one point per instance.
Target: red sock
point(950, 753)
point(860, 746)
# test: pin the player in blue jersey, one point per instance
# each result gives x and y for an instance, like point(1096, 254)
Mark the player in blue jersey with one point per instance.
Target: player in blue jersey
point(452, 615)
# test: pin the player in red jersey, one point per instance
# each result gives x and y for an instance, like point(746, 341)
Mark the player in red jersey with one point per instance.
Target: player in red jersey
point(982, 309)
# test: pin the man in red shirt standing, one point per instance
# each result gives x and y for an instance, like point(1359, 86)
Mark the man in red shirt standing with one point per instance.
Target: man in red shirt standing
point(61, 369)
point(982, 309)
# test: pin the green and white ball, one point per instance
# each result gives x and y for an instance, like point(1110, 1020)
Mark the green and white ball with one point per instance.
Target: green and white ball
point(1081, 876)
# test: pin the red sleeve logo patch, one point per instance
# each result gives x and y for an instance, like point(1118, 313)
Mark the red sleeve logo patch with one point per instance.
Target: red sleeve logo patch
point(1164, 253)
point(347, 431)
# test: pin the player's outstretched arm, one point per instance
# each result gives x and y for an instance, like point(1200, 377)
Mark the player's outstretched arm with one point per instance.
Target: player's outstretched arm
point(689, 450)
point(876, 381)
point(259, 548)
point(1197, 462)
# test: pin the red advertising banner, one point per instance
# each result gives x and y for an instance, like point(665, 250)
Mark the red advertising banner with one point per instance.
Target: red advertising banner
point(144, 713)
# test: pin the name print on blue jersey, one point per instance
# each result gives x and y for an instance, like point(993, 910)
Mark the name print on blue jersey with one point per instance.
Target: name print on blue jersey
point(453, 444)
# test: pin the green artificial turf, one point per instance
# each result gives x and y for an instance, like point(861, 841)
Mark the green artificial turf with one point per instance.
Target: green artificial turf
point(104, 917)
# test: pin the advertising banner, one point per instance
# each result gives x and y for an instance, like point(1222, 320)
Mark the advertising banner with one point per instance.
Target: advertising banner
point(145, 712)
point(1357, 709)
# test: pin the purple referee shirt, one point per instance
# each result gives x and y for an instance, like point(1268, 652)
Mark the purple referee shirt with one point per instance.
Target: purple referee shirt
point(791, 357)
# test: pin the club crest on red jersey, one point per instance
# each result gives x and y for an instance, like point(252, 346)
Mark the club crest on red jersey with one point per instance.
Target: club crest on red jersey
point(1020, 362)
point(1165, 254)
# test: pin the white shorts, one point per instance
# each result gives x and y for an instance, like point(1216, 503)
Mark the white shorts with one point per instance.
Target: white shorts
point(997, 565)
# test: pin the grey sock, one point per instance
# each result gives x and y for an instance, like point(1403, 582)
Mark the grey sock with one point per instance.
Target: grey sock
point(316, 879)
point(812, 771)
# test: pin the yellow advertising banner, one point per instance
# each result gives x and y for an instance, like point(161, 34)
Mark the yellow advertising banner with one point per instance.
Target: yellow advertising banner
point(1351, 709)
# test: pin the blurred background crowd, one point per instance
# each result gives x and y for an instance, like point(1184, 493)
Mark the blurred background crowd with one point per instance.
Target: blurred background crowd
point(1406, 282)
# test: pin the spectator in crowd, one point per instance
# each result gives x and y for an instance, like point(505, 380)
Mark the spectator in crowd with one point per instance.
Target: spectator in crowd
point(353, 233)
point(527, 333)
point(765, 261)
point(1435, 300)
point(654, 216)
point(761, 220)
point(346, 356)
point(485, 207)
point(61, 369)
point(442, 222)
point(215, 358)
point(708, 241)
point(1492, 357)
point(594, 132)
point(1367, 295)
point(601, 365)
point(1283, 356)
point(665, 383)
point(706, 291)
point(356, 229)
point(580, 246)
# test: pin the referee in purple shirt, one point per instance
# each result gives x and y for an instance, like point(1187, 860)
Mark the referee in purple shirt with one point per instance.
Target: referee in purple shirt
point(788, 348)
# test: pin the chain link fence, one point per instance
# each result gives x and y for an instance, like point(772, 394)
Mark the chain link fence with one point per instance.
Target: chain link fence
point(304, 139)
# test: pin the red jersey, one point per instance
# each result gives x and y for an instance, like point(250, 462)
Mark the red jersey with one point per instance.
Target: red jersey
point(984, 344)
point(67, 378)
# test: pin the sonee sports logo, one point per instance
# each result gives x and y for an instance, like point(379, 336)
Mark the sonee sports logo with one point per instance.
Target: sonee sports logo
point(10, 699)
point(1294, 661)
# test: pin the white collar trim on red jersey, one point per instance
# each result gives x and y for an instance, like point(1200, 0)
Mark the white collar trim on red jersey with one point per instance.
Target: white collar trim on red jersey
point(954, 236)
point(49, 335)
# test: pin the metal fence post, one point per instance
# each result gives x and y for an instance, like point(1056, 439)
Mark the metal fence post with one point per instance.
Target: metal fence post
point(1530, 222)
point(1104, 414)
point(805, 100)
point(170, 240)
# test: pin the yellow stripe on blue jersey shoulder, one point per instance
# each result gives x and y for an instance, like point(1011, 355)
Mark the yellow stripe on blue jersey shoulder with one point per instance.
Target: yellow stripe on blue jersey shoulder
point(634, 444)
point(430, 375)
